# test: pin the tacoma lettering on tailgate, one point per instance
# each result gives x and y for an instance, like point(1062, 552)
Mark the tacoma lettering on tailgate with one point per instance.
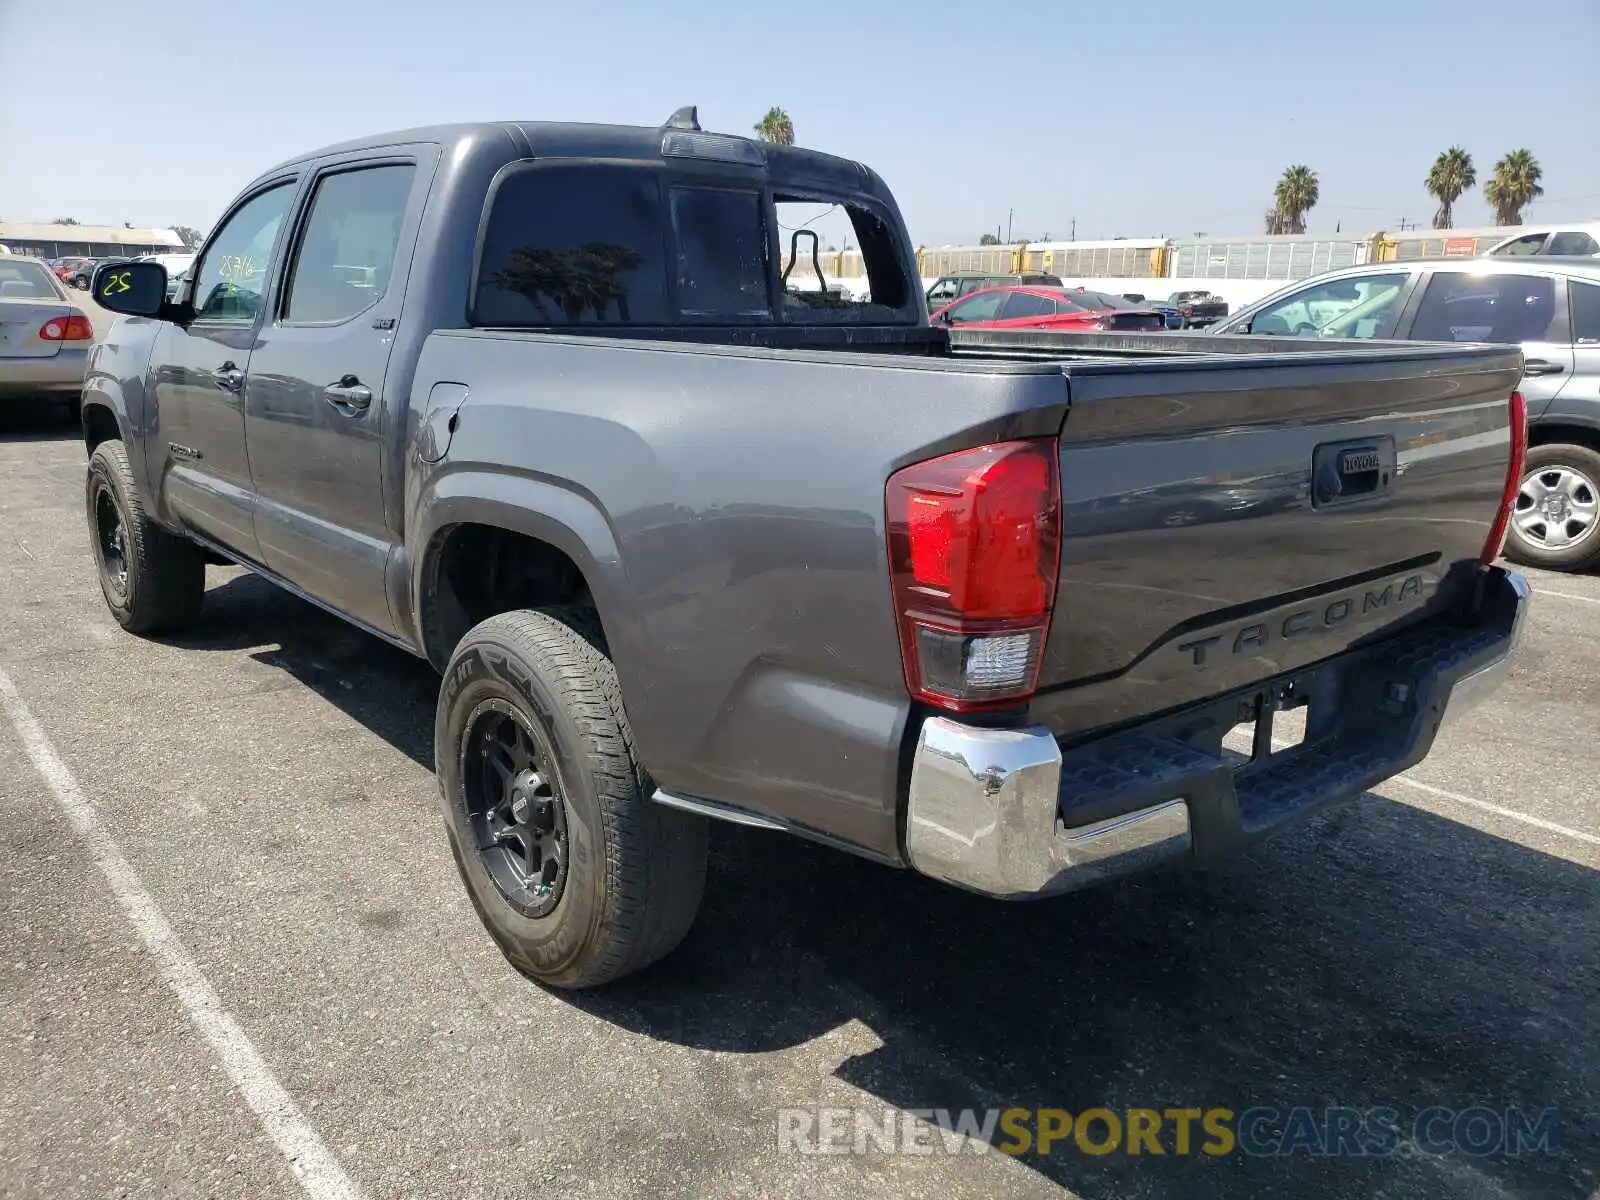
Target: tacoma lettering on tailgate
point(1304, 622)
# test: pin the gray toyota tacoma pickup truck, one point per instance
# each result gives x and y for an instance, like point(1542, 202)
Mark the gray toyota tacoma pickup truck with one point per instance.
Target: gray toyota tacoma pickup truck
point(689, 539)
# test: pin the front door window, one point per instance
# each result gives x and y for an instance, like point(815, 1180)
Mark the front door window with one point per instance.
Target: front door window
point(231, 279)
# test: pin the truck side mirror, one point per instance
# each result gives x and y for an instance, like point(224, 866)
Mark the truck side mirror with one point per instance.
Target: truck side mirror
point(134, 289)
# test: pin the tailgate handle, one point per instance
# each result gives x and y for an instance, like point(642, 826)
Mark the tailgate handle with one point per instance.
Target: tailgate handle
point(1358, 472)
point(1343, 472)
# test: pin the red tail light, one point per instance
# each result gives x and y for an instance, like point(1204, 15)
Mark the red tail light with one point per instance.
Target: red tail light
point(974, 547)
point(75, 328)
point(1508, 496)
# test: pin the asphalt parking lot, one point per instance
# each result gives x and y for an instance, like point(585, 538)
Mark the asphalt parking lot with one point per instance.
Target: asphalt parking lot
point(266, 784)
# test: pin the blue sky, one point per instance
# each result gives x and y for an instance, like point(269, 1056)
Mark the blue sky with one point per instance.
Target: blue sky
point(1133, 120)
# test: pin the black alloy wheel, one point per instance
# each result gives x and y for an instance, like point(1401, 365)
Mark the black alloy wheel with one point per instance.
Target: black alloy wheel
point(111, 540)
point(516, 808)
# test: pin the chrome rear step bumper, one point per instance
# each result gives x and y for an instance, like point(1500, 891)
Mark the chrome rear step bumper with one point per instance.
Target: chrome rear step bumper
point(1008, 813)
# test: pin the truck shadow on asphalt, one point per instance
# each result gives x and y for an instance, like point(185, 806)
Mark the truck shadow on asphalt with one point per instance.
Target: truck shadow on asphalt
point(38, 419)
point(1379, 956)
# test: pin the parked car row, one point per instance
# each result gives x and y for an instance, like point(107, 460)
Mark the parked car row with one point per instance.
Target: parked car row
point(78, 271)
point(44, 336)
point(1181, 310)
point(1166, 308)
point(69, 270)
point(1039, 306)
point(947, 289)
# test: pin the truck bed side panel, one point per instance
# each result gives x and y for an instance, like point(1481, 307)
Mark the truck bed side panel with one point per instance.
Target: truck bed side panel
point(746, 603)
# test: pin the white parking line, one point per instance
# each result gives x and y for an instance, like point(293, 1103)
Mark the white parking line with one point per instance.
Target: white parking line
point(1539, 591)
point(1511, 814)
point(313, 1164)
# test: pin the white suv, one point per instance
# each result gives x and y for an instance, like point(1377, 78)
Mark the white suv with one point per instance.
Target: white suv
point(1580, 239)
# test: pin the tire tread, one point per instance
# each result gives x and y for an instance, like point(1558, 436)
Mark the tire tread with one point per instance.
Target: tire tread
point(654, 856)
point(167, 573)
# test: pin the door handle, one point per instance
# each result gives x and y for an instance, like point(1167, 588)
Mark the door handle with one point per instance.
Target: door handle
point(228, 377)
point(350, 396)
point(1541, 366)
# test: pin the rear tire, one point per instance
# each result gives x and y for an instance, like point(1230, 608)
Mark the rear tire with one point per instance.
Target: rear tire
point(1567, 477)
point(153, 581)
point(576, 873)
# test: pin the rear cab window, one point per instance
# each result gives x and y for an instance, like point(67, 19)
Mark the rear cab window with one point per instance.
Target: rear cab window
point(637, 244)
point(574, 246)
point(721, 261)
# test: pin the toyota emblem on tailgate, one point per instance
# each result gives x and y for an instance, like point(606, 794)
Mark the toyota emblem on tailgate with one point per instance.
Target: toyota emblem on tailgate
point(1358, 462)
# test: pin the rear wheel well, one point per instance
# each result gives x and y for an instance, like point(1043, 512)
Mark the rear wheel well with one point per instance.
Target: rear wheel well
point(1564, 435)
point(474, 572)
point(99, 425)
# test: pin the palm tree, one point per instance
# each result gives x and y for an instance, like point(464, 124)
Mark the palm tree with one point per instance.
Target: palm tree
point(775, 127)
point(1513, 186)
point(1297, 194)
point(1452, 173)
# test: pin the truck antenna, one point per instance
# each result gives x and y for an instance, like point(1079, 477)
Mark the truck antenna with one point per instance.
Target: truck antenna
point(687, 117)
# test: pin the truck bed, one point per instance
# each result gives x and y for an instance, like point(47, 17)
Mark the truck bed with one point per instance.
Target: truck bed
point(745, 590)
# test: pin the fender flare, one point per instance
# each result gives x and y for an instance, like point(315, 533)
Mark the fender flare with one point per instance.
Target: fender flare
point(535, 508)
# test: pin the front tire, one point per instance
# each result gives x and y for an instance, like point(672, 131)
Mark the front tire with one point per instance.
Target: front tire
point(153, 581)
point(576, 873)
point(1555, 522)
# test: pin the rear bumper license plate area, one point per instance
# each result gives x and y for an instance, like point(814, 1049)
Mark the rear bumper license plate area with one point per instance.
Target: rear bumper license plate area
point(1010, 812)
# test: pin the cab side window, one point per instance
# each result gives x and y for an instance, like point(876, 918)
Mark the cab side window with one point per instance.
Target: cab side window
point(581, 244)
point(231, 278)
point(346, 254)
point(1458, 307)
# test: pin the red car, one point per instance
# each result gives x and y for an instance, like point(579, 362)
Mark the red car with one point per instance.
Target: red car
point(65, 268)
point(1031, 306)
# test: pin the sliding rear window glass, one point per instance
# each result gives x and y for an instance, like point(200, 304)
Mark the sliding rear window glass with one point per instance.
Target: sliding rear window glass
point(723, 252)
point(579, 245)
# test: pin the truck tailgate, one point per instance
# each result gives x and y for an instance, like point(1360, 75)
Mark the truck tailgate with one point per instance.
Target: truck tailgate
point(1227, 521)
